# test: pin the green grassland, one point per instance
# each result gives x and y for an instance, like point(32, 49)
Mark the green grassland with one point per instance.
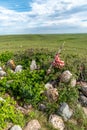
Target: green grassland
point(74, 43)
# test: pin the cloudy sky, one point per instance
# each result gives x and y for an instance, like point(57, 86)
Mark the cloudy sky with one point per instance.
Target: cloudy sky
point(43, 16)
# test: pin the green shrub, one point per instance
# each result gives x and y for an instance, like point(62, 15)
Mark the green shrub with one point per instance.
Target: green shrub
point(9, 114)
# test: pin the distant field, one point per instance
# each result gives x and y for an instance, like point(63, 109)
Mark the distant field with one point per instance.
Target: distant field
point(74, 43)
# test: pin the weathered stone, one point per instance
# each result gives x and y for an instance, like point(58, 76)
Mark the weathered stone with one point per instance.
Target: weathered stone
point(18, 68)
point(84, 90)
point(51, 93)
point(73, 82)
point(33, 125)
point(65, 111)
point(1, 99)
point(16, 127)
point(66, 76)
point(2, 73)
point(1, 68)
point(42, 107)
point(33, 65)
point(11, 64)
point(56, 122)
point(85, 110)
point(48, 86)
point(83, 100)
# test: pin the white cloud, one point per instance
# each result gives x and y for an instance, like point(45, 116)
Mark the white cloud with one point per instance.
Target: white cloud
point(47, 13)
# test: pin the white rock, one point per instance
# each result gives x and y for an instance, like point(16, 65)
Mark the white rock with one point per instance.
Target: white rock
point(2, 73)
point(18, 68)
point(1, 68)
point(1, 99)
point(16, 127)
point(73, 82)
point(33, 65)
point(33, 125)
point(56, 122)
point(66, 76)
point(48, 86)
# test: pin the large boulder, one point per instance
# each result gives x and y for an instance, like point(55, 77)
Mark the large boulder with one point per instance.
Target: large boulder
point(33, 125)
point(65, 111)
point(65, 76)
point(56, 122)
point(16, 127)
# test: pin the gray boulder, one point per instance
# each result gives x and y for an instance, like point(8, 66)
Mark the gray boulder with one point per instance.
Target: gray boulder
point(65, 111)
point(56, 122)
point(33, 125)
point(16, 127)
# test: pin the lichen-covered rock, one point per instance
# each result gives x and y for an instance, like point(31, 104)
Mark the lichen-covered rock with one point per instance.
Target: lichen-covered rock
point(65, 76)
point(16, 127)
point(33, 65)
point(51, 93)
point(56, 122)
point(18, 68)
point(33, 125)
point(65, 111)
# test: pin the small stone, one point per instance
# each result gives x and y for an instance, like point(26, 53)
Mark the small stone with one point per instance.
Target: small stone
point(65, 76)
point(1, 99)
point(16, 127)
point(51, 93)
point(65, 111)
point(2, 73)
point(83, 100)
point(11, 64)
point(1, 69)
point(48, 86)
point(42, 107)
point(85, 110)
point(56, 122)
point(33, 65)
point(73, 82)
point(33, 125)
point(18, 68)
point(84, 90)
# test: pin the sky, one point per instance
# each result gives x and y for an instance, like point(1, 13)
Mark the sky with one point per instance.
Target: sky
point(43, 16)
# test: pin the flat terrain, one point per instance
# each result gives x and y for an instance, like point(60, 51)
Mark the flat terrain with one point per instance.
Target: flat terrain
point(74, 43)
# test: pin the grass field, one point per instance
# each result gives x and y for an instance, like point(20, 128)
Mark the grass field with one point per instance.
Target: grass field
point(74, 43)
